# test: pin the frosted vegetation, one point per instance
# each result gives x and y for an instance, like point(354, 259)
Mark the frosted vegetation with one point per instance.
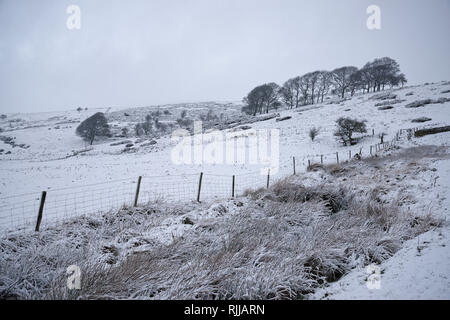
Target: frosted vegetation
point(278, 243)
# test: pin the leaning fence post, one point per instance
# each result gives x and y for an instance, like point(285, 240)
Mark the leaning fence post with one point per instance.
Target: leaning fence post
point(199, 186)
point(138, 187)
point(337, 157)
point(293, 163)
point(268, 178)
point(232, 187)
point(41, 210)
point(309, 164)
point(370, 150)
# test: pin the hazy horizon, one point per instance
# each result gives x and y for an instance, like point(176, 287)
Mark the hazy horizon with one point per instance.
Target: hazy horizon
point(143, 53)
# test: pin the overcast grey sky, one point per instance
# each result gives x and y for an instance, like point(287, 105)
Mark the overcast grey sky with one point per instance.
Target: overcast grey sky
point(138, 53)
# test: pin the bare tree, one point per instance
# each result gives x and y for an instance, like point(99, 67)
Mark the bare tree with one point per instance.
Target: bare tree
point(254, 101)
point(304, 84)
point(402, 79)
point(383, 71)
point(325, 81)
point(342, 78)
point(262, 98)
point(271, 96)
point(346, 127)
point(356, 82)
point(287, 94)
point(94, 126)
point(290, 93)
point(313, 79)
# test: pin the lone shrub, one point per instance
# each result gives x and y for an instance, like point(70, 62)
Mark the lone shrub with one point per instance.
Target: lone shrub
point(313, 132)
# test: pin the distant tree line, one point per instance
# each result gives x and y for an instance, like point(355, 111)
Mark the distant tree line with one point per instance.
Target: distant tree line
point(312, 87)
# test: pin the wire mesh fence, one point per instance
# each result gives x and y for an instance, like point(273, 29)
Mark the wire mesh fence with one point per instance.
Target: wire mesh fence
point(20, 212)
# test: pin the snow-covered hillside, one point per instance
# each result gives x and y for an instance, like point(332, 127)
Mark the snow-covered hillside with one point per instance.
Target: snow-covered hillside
point(294, 240)
point(403, 192)
point(44, 164)
point(44, 154)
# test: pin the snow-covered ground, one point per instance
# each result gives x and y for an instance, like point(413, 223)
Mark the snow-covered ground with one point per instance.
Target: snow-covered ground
point(260, 246)
point(417, 179)
point(52, 159)
point(48, 156)
point(421, 269)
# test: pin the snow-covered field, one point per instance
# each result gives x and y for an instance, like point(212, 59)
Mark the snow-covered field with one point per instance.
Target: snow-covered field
point(48, 156)
point(414, 177)
point(292, 241)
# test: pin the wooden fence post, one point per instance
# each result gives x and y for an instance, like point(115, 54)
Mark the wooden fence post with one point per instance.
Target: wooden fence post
point(199, 186)
point(337, 157)
point(370, 150)
point(232, 187)
point(349, 154)
point(293, 163)
point(41, 210)
point(321, 159)
point(138, 187)
point(373, 132)
point(268, 178)
point(360, 151)
point(309, 164)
